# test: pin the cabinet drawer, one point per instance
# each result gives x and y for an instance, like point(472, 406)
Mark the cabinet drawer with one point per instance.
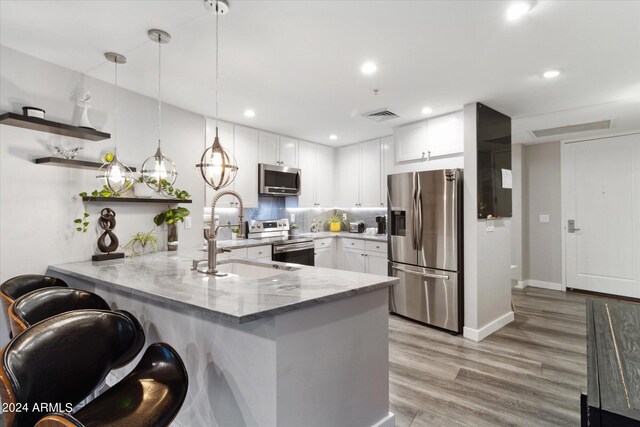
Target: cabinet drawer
point(234, 254)
point(259, 252)
point(323, 243)
point(372, 246)
point(352, 243)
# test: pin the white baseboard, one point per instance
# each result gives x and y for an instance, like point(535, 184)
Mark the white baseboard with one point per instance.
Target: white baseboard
point(545, 285)
point(521, 284)
point(480, 334)
point(388, 421)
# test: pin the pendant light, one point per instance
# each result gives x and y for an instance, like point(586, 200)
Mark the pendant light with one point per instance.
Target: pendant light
point(217, 167)
point(159, 169)
point(114, 175)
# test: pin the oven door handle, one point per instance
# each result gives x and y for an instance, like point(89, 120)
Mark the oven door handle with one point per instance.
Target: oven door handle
point(281, 249)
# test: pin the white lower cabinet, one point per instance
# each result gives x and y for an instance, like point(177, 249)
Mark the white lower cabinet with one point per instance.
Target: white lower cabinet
point(354, 260)
point(262, 253)
point(233, 254)
point(376, 263)
point(363, 256)
point(324, 258)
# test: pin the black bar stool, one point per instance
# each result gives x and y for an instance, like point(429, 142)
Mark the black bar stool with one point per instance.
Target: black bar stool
point(60, 360)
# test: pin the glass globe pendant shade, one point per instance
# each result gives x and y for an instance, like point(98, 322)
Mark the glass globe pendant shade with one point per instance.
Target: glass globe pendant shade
point(217, 167)
point(115, 176)
point(158, 171)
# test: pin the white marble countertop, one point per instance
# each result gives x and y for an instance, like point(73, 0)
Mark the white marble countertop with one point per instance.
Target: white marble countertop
point(167, 277)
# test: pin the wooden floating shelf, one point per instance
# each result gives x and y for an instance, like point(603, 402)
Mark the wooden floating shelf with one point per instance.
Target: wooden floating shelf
point(42, 125)
point(71, 163)
point(131, 200)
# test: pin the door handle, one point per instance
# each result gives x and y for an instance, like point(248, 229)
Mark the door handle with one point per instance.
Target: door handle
point(415, 273)
point(571, 226)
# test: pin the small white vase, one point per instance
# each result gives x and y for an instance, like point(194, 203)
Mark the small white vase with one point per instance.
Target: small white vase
point(84, 119)
point(142, 190)
point(234, 236)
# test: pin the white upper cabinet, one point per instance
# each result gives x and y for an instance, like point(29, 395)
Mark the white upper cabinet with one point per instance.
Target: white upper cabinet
point(445, 135)
point(268, 148)
point(246, 154)
point(410, 142)
point(370, 174)
point(440, 136)
point(325, 176)
point(387, 147)
point(288, 149)
point(349, 176)
point(307, 164)
point(278, 150)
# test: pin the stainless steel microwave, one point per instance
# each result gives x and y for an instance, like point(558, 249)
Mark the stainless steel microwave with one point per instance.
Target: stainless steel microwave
point(277, 180)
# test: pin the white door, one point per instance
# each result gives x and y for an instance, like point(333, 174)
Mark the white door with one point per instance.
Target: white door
point(325, 176)
point(288, 152)
point(370, 170)
point(246, 154)
point(354, 260)
point(349, 171)
point(307, 163)
point(323, 258)
point(377, 263)
point(226, 138)
point(410, 141)
point(268, 148)
point(602, 197)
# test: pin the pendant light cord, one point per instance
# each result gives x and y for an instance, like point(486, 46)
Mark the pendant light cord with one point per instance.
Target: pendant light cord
point(217, 16)
point(115, 110)
point(159, 88)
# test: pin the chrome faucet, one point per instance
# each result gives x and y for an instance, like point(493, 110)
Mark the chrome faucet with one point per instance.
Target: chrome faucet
point(212, 233)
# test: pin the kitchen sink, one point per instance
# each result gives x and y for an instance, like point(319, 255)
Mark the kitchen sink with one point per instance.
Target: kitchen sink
point(254, 270)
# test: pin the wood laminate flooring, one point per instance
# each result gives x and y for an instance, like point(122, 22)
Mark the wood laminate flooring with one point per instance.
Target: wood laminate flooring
point(529, 373)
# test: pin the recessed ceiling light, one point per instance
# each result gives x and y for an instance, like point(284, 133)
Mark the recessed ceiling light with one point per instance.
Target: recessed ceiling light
point(551, 74)
point(369, 68)
point(249, 113)
point(333, 137)
point(427, 110)
point(518, 9)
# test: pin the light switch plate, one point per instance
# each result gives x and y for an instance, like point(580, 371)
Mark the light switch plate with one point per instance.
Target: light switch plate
point(293, 218)
point(544, 218)
point(187, 222)
point(490, 226)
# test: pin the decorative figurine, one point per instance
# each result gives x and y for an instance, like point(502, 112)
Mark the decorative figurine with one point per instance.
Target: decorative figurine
point(107, 222)
point(83, 101)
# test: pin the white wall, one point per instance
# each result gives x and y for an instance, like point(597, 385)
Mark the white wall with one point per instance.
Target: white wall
point(38, 203)
point(487, 255)
point(542, 241)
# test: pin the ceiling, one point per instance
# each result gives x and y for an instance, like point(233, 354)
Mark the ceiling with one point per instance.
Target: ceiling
point(296, 63)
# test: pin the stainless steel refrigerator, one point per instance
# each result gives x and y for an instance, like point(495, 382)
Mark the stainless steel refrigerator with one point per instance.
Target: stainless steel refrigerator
point(425, 246)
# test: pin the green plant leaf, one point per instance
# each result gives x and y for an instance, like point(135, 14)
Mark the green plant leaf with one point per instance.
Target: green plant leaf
point(77, 221)
point(78, 229)
point(85, 224)
point(86, 214)
point(83, 194)
point(94, 193)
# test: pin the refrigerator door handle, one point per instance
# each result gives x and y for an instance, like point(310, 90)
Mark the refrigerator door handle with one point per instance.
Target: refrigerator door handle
point(420, 220)
point(414, 211)
point(429, 275)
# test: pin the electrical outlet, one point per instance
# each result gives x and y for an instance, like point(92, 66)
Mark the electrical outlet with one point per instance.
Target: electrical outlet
point(293, 218)
point(187, 222)
point(544, 218)
point(490, 226)
point(344, 216)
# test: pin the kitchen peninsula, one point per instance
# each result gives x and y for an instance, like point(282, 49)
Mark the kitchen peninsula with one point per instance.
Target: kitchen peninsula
point(269, 344)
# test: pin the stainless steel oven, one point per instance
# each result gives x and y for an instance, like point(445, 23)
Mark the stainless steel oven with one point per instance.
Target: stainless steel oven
point(277, 180)
point(285, 248)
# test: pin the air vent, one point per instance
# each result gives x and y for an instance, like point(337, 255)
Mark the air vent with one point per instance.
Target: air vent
point(582, 127)
point(381, 115)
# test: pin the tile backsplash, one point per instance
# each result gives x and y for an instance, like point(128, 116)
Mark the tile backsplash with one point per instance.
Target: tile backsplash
point(274, 208)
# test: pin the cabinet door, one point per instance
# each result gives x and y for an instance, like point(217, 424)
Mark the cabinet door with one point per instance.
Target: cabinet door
point(307, 197)
point(226, 138)
point(354, 260)
point(324, 258)
point(445, 135)
point(370, 171)
point(388, 164)
point(246, 154)
point(349, 173)
point(325, 176)
point(268, 148)
point(377, 263)
point(411, 141)
point(288, 152)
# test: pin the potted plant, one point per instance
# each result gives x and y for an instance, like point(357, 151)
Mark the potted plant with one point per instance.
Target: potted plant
point(336, 222)
point(138, 244)
point(234, 233)
point(141, 189)
point(294, 230)
point(171, 217)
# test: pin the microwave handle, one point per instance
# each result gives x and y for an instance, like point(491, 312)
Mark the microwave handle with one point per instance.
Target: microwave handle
point(298, 179)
